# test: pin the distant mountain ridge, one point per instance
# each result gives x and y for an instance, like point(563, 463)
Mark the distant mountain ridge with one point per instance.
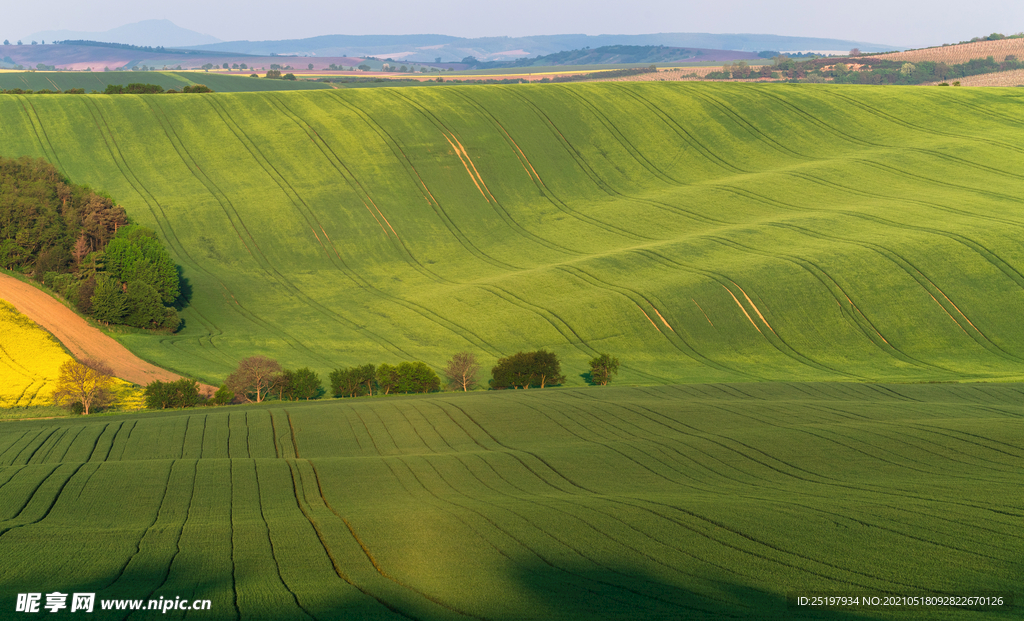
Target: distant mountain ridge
point(150, 32)
point(428, 47)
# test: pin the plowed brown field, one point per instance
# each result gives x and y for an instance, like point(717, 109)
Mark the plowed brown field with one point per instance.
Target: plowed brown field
point(1003, 78)
point(955, 54)
point(81, 339)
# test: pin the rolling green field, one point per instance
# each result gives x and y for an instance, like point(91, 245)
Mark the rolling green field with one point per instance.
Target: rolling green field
point(700, 232)
point(673, 502)
point(98, 81)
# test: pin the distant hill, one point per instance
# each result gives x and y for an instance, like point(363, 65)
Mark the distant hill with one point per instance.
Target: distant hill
point(82, 55)
point(152, 32)
point(428, 47)
point(950, 54)
point(624, 54)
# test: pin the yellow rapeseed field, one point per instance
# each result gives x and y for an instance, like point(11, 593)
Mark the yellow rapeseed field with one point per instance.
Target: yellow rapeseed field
point(30, 360)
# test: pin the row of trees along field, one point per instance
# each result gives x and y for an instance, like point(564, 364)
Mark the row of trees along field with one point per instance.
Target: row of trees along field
point(135, 88)
point(82, 246)
point(85, 386)
point(865, 70)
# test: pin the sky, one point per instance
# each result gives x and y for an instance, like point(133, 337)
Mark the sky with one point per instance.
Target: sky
point(912, 23)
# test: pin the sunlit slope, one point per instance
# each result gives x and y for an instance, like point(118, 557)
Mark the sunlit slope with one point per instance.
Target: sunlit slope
point(699, 232)
point(618, 503)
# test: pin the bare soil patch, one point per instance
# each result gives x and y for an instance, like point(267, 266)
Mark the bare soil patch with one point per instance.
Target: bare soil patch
point(955, 54)
point(1014, 77)
point(81, 339)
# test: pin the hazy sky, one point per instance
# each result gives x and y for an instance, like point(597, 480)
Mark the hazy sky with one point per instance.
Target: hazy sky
point(895, 22)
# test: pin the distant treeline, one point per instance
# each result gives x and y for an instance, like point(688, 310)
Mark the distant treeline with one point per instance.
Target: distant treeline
point(115, 89)
point(896, 72)
point(603, 75)
point(582, 77)
point(880, 71)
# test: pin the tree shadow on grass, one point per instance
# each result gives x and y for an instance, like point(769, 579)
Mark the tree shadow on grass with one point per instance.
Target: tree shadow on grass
point(184, 290)
point(628, 594)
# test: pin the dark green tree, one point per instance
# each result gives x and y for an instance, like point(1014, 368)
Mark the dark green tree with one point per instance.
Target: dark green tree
point(387, 378)
point(183, 393)
point(525, 369)
point(547, 371)
point(417, 377)
point(136, 254)
point(301, 384)
point(602, 368)
point(143, 308)
point(108, 300)
point(345, 382)
point(223, 396)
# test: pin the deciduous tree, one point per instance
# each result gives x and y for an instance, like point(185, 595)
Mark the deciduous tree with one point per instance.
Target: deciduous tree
point(345, 382)
point(461, 371)
point(387, 378)
point(183, 393)
point(417, 377)
point(546, 368)
point(301, 384)
point(602, 368)
point(525, 369)
point(255, 378)
point(88, 382)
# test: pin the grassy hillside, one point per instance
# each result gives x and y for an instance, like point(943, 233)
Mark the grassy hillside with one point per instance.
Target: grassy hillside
point(98, 81)
point(705, 502)
point(699, 232)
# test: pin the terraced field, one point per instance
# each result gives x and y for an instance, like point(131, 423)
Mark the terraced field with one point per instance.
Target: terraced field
point(690, 502)
point(700, 232)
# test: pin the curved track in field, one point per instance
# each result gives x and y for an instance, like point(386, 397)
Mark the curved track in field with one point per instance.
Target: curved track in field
point(81, 339)
point(763, 231)
point(613, 503)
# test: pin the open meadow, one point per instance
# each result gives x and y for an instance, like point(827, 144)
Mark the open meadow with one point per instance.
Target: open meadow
point(670, 502)
point(700, 232)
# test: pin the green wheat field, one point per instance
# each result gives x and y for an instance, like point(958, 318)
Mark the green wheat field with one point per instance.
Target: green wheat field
point(816, 293)
point(681, 502)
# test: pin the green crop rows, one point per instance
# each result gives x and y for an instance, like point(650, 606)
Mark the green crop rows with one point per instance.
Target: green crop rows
point(709, 501)
point(699, 232)
point(98, 81)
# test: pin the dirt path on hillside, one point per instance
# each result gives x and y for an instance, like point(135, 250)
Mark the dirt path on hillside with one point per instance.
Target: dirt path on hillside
point(81, 339)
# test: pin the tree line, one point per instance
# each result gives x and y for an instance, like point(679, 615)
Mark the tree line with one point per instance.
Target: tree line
point(873, 71)
point(135, 88)
point(258, 378)
point(82, 246)
point(85, 386)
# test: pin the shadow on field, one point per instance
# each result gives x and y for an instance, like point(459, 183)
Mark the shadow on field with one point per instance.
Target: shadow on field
point(628, 594)
point(130, 584)
point(184, 291)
